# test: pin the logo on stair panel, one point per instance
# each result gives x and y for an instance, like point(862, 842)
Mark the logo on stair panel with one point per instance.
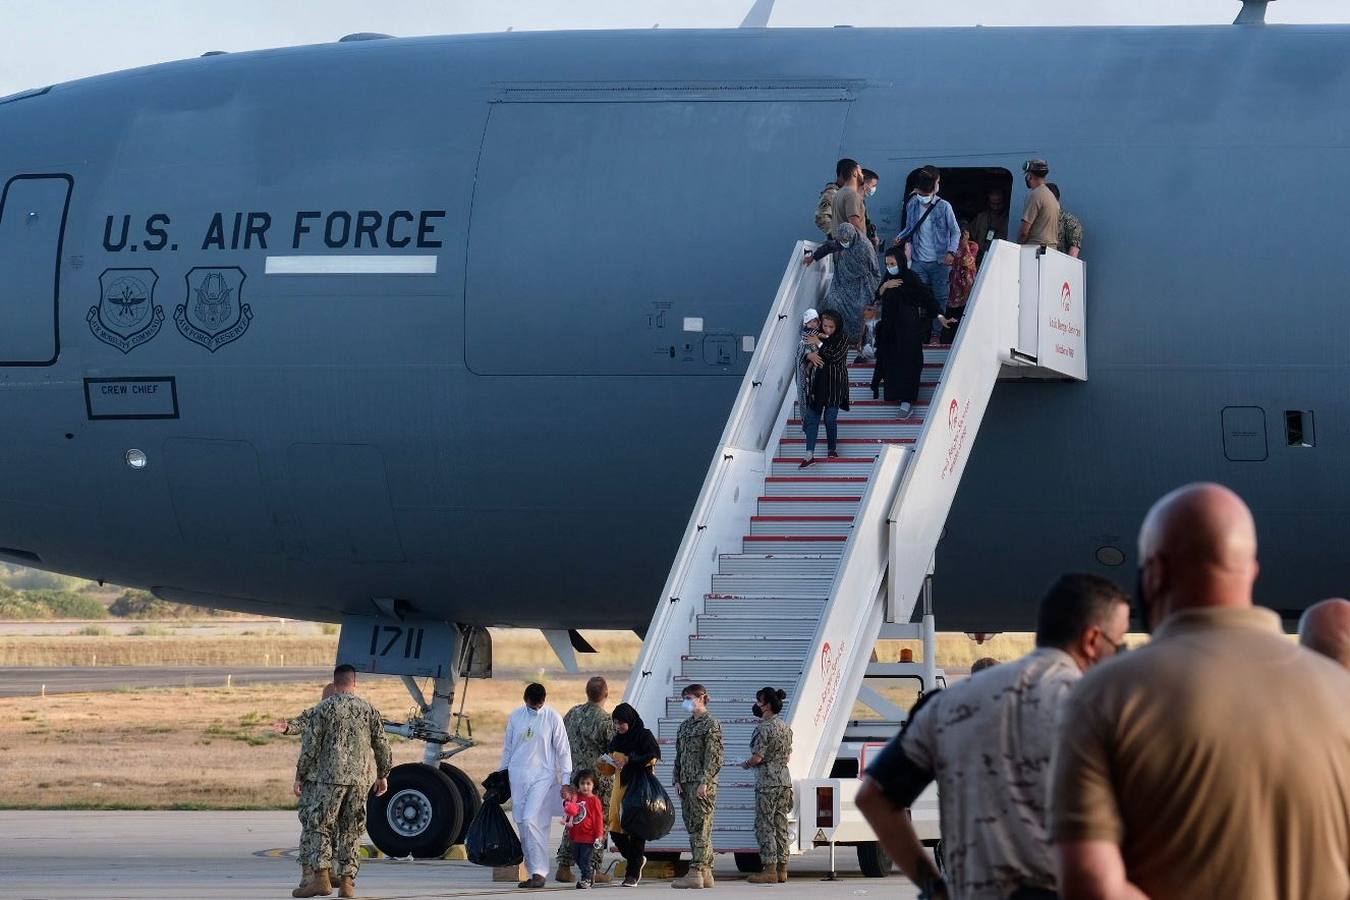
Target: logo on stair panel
point(831, 666)
point(956, 424)
point(214, 312)
point(1066, 296)
point(126, 315)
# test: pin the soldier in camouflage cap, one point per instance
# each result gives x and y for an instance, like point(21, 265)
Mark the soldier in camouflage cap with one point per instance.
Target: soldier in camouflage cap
point(589, 731)
point(332, 780)
point(698, 760)
point(770, 748)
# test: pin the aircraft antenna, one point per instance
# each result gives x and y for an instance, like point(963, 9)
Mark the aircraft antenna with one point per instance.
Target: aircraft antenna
point(1253, 13)
point(758, 16)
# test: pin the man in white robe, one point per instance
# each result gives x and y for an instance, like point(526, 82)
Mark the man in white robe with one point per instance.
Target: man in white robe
point(538, 757)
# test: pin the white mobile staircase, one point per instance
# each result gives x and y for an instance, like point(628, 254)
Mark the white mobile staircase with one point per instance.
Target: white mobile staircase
point(786, 576)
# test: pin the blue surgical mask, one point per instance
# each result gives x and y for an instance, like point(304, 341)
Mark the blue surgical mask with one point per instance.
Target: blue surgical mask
point(872, 190)
point(688, 705)
point(894, 270)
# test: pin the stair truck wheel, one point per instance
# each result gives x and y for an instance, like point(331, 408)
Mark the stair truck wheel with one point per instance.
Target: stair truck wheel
point(873, 860)
point(749, 863)
point(471, 799)
point(419, 816)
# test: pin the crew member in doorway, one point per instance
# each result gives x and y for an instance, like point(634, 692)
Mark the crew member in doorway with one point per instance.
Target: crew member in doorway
point(991, 223)
point(589, 731)
point(1325, 628)
point(698, 760)
point(770, 749)
point(906, 306)
point(932, 235)
point(856, 274)
point(332, 779)
point(828, 391)
point(962, 283)
point(632, 749)
point(1040, 215)
point(1070, 229)
point(538, 759)
point(987, 742)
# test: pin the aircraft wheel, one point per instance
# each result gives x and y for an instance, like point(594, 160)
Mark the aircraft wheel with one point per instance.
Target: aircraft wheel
point(470, 798)
point(419, 816)
point(873, 860)
point(749, 863)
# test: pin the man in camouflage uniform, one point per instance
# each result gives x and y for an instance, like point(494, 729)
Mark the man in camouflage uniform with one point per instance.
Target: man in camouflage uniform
point(589, 731)
point(770, 748)
point(698, 760)
point(298, 726)
point(1070, 229)
point(332, 780)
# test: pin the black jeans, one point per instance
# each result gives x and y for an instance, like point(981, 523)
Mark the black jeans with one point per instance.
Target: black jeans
point(1031, 893)
point(632, 849)
point(581, 852)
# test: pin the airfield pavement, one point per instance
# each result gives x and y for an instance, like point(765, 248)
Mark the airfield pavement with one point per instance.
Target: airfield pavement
point(60, 855)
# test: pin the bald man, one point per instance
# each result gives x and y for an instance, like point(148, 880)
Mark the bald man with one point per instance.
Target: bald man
point(1325, 629)
point(1214, 762)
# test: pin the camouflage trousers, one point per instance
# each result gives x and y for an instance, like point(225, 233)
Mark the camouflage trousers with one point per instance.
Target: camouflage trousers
point(698, 821)
point(565, 856)
point(772, 805)
point(332, 820)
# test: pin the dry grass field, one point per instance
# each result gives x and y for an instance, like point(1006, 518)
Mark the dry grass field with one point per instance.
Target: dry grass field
point(214, 748)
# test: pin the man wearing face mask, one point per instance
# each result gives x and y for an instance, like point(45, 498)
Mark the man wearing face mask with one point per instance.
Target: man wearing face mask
point(1215, 761)
point(987, 742)
point(848, 204)
point(538, 758)
point(870, 182)
point(933, 236)
point(1040, 215)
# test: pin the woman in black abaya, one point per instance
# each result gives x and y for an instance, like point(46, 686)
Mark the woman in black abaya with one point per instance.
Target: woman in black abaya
point(907, 306)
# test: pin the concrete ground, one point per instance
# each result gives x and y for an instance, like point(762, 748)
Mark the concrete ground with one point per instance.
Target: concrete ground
point(29, 681)
point(57, 855)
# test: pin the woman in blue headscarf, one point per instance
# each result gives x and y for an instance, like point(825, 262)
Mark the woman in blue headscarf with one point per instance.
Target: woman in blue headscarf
point(856, 276)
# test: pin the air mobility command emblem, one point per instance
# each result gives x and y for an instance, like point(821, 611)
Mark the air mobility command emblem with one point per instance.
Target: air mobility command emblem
point(126, 315)
point(214, 312)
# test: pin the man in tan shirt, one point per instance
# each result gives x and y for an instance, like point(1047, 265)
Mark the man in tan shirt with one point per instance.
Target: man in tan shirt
point(1040, 216)
point(1325, 629)
point(848, 205)
point(1214, 762)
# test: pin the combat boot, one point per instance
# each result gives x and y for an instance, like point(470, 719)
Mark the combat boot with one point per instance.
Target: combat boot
point(347, 886)
point(564, 874)
point(693, 879)
point(766, 875)
point(318, 886)
point(707, 877)
point(334, 876)
point(782, 873)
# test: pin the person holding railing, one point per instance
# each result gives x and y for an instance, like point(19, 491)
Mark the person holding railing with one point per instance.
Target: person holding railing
point(855, 276)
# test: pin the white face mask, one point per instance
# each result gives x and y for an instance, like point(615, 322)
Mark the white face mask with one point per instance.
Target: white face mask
point(894, 270)
point(845, 244)
point(872, 190)
point(688, 705)
point(929, 199)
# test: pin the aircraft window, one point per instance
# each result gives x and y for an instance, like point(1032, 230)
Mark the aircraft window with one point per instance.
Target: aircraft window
point(967, 190)
point(1298, 427)
point(1244, 433)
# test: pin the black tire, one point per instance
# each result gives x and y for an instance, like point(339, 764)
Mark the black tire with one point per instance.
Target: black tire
point(873, 860)
point(471, 800)
point(419, 816)
point(749, 863)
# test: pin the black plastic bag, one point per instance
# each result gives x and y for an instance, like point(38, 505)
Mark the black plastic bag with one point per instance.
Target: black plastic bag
point(647, 812)
point(490, 840)
point(497, 787)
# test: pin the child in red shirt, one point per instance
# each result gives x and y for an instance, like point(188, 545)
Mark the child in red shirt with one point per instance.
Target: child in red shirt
point(584, 818)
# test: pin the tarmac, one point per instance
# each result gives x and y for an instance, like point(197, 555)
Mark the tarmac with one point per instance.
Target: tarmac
point(30, 681)
point(59, 855)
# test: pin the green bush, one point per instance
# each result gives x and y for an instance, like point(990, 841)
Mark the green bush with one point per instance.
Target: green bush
point(93, 631)
point(68, 605)
point(135, 604)
point(21, 578)
point(17, 606)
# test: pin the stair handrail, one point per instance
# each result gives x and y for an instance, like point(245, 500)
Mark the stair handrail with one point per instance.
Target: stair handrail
point(740, 458)
point(822, 700)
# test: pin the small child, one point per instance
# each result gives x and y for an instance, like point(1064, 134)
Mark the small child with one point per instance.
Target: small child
point(584, 818)
point(867, 346)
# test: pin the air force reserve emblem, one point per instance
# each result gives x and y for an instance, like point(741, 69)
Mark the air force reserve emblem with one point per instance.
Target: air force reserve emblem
point(126, 315)
point(214, 312)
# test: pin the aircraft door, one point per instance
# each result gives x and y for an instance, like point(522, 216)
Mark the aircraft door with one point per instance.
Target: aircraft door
point(32, 226)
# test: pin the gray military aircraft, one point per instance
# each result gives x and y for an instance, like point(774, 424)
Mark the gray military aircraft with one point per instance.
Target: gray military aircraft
point(451, 324)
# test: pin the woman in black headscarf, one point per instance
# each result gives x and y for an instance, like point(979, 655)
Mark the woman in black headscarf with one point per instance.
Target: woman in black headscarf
point(907, 306)
point(633, 748)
